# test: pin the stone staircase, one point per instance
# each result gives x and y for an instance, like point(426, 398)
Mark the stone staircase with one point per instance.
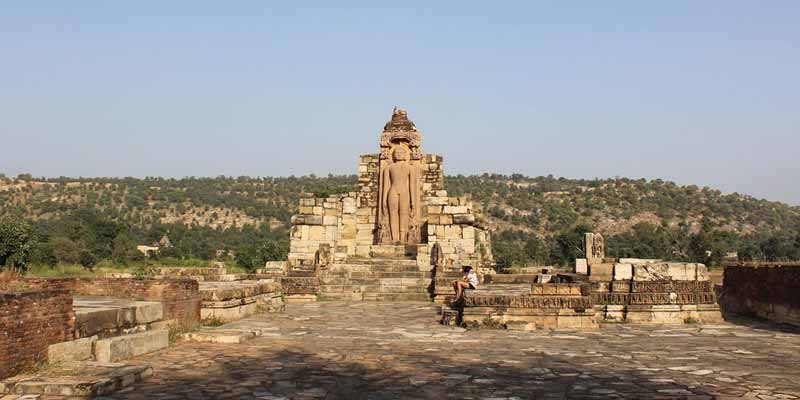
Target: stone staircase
point(393, 277)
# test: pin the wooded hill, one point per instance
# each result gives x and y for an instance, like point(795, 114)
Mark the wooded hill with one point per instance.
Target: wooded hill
point(536, 220)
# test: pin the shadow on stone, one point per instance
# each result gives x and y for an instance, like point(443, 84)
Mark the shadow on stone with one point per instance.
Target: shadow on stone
point(419, 374)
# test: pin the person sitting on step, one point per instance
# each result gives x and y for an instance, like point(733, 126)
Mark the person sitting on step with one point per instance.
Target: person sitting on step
point(468, 281)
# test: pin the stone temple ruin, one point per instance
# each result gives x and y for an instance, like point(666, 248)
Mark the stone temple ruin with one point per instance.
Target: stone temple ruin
point(383, 240)
point(599, 290)
point(397, 236)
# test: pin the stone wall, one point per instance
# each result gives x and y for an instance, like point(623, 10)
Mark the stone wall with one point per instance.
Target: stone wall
point(180, 297)
point(766, 290)
point(30, 321)
point(453, 223)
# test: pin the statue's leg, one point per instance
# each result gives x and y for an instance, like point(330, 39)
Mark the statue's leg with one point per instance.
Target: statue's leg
point(405, 215)
point(394, 216)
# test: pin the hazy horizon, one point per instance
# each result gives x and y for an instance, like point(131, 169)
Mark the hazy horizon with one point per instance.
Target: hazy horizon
point(699, 94)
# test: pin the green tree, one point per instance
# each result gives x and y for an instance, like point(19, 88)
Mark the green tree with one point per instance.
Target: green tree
point(66, 251)
point(17, 242)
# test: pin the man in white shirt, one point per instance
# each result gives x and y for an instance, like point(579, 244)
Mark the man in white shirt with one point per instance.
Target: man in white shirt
point(468, 281)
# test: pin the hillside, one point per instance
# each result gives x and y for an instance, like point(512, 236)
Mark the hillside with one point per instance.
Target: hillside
point(536, 220)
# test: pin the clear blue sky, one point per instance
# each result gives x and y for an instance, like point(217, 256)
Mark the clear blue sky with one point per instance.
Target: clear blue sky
point(699, 92)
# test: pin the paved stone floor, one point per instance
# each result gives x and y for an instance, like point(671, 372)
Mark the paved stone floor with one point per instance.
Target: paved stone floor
point(363, 350)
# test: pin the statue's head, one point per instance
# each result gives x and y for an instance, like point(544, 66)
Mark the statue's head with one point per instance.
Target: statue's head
point(400, 154)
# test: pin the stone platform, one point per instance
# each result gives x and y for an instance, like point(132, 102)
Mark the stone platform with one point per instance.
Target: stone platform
point(84, 381)
point(231, 301)
point(373, 350)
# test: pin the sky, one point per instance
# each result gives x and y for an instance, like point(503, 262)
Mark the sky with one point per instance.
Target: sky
point(697, 92)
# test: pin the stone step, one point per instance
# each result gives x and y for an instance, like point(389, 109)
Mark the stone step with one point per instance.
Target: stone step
point(381, 260)
point(92, 379)
point(396, 297)
point(123, 347)
point(372, 268)
point(372, 289)
point(219, 335)
point(108, 316)
point(393, 251)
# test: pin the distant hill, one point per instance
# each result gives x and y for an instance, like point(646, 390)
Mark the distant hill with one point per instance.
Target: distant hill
point(536, 220)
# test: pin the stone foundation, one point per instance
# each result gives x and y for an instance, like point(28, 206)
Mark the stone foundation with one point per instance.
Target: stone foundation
point(544, 306)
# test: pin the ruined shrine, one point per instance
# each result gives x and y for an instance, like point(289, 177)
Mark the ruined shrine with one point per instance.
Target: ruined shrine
point(398, 211)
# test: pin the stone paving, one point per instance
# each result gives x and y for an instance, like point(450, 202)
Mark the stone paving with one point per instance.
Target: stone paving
point(333, 350)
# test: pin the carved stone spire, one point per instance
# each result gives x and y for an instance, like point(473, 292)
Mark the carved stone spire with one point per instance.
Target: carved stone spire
point(399, 122)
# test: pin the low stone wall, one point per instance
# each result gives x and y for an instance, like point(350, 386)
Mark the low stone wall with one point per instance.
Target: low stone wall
point(545, 306)
point(766, 290)
point(658, 301)
point(180, 297)
point(30, 321)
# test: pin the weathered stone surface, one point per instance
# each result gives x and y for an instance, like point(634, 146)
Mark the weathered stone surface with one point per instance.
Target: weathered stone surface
point(108, 316)
point(398, 350)
point(90, 380)
point(581, 266)
point(123, 347)
point(73, 350)
point(623, 272)
point(603, 271)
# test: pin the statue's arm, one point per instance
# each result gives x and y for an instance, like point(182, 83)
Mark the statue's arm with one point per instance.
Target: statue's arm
point(384, 188)
point(412, 183)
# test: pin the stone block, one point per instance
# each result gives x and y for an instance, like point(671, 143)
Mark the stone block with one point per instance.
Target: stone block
point(446, 219)
point(123, 347)
point(317, 233)
point(436, 201)
point(74, 350)
point(331, 233)
point(468, 232)
point(581, 266)
point(455, 210)
point(638, 260)
point(306, 210)
point(702, 272)
point(623, 272)
point(330, 220)
point(605, 271)
point(307, 220)
point(679, 271)
point(463, 219)
point(348, 205)
point(651, 272)
point(433, 210)
point(452, 232)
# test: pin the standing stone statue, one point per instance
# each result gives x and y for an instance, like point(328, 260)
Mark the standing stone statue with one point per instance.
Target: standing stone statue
point(399, 196)
point(599, 247)
point(594, 247)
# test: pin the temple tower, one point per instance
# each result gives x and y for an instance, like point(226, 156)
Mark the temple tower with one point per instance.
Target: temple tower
point(399, 210)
